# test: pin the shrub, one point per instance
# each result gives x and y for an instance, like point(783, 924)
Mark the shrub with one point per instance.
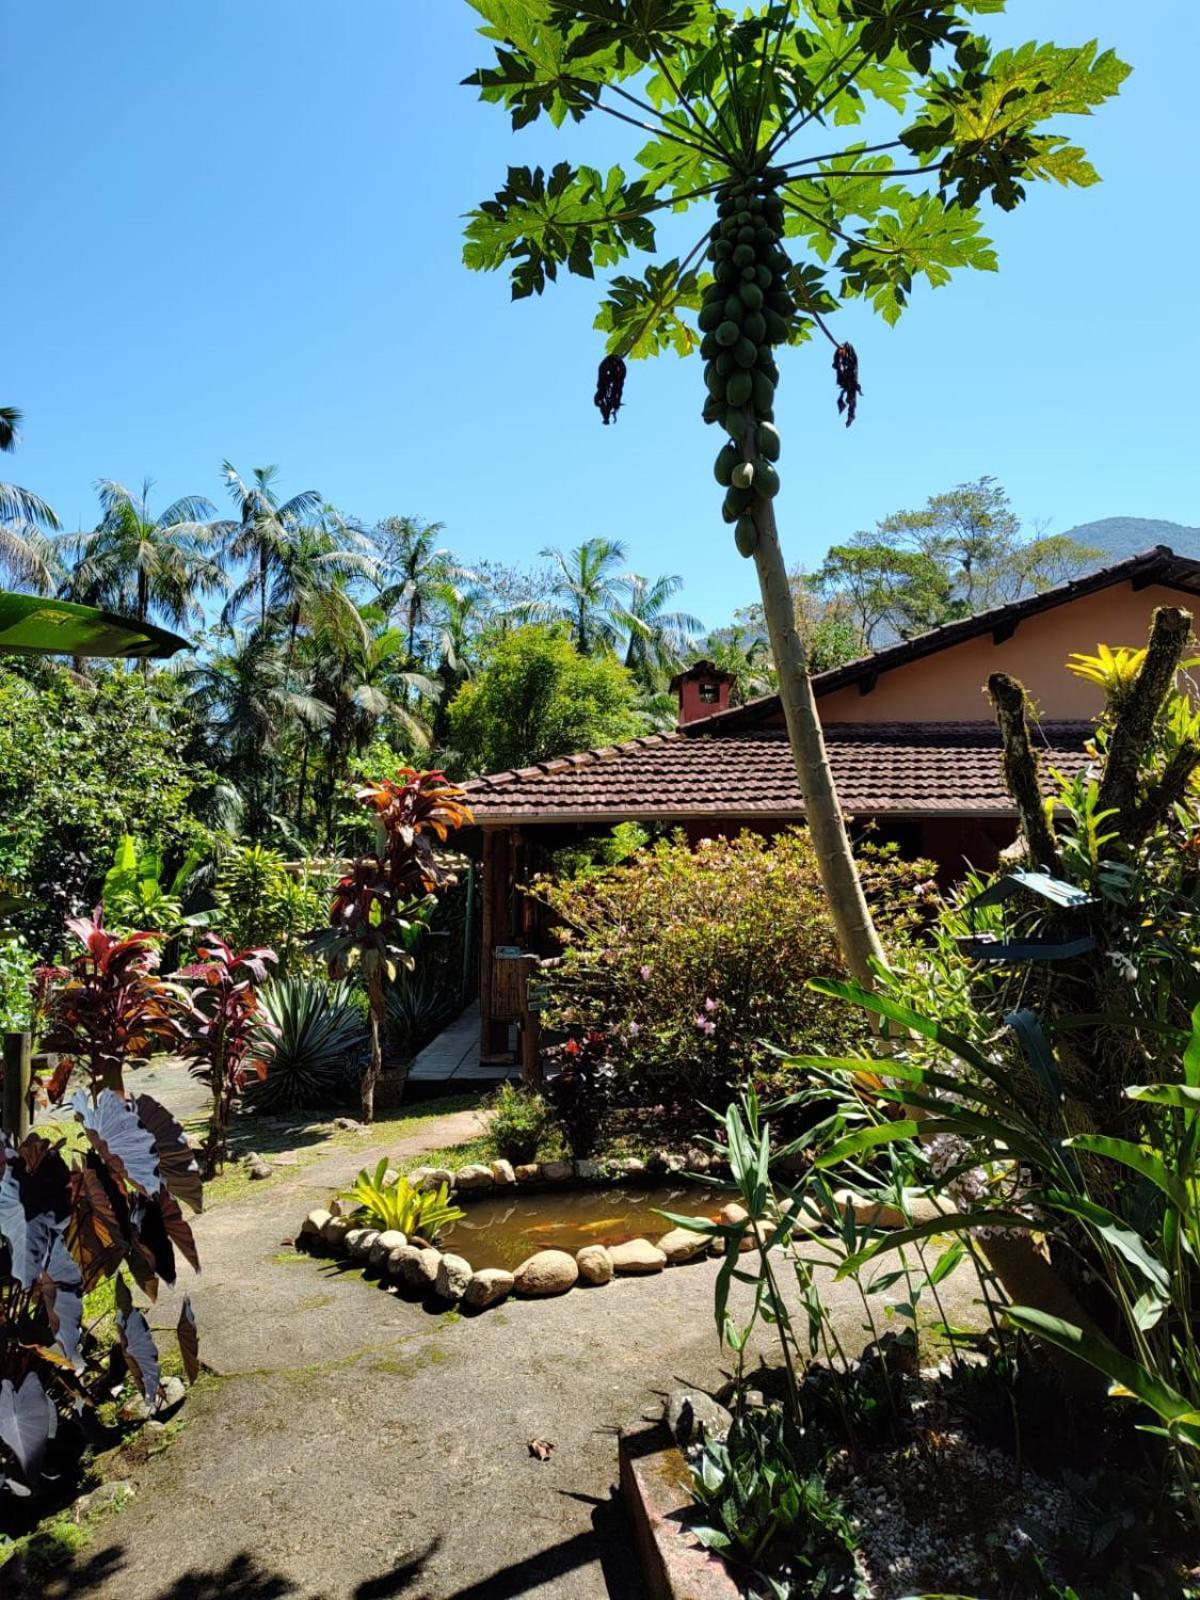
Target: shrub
point(692, 962)
point(17, 967)
point(260, 901)
point(314, 1034)
point(516, 1122)
point(397, 1205)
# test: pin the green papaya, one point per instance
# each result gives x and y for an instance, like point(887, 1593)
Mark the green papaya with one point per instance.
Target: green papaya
point(709, 348)
point(744, 218)
point(762, 389)
point(714, 382)
point(742, 473)
point(734, 309)
point(746, 235)
point(739, 388)
point(714, 409)
point(727, 460)
point(751, 296)
point(745, 536)
point(766, 363)
point(743, 255)
point(737, 503)
point(755, 204)
point(724, 271)
point(763, 276)
point(766, 479)
point(725, 363)
point(754, 326)
point(723, 248)
point(733, 420)
point(712, 314)
point(781, 301)
point(777, 328)
point(766, 437)
point(745, 352)
point(728, 333)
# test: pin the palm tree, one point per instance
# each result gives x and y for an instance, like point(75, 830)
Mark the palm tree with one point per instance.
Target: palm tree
point(657, 638)
point(588, 594)
point(313, 558)
point(263, 531)
point(412, 569)
point(139, 563)
point(460, 615)
point(27, 556)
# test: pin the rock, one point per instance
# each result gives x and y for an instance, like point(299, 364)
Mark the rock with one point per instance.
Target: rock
point(359, 1242)
point(590, 1171)
point(315, 1223)
point(453, 1276)
point(348, 1124)
point(693, 1415)
point(336, 1231)
point(390, 1239)
point(474, 1176)
point(394, 1265)
point(435, 1177)
point(171, 1395)
point(260, 1169)
point(882, 1215)
point(420, 1270)
point(527, 1172)
point(681, 1244)
point(417, 1175)
point(637, 1255)
point(697, 1159)
point(630, 1167)
point(556, 1171)
point(595, 1263)
point(734, 1213)
point(341, 1208)
point(666, 1161)
point(503, 1175)
point(547, 1272)
point(488, 1286)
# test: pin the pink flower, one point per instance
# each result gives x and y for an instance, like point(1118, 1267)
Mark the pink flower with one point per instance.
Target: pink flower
point(645, 973)
point(710, 1005)
point(704, 1024)
point(634, 1030)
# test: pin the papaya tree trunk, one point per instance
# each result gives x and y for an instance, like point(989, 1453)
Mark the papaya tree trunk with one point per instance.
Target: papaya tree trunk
point(835, 861)
point(376, 1002)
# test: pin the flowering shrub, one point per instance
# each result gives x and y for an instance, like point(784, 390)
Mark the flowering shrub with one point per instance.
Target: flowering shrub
point(691, 963)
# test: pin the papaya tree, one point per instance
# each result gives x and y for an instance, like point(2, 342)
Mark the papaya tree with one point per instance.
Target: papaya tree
point(753, 114)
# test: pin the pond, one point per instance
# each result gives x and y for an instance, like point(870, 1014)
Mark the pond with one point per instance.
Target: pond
point(505, 1230)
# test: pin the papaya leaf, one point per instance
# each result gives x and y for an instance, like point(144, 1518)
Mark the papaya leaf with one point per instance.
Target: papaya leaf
point(641, 316)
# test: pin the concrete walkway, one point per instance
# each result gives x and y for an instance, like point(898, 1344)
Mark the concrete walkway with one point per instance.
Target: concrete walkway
point(352, 1446)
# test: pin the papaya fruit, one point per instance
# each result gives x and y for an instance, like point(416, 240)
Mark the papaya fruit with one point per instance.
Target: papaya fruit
point(737, 503)
point(724, 271)
point(744, 218)
point(709, 348)
point(712, 314)
point(734, 309)
point(725, 363)
point(723, 248)
point(777, 328)
point(781, 301)
point(713, 410)
point(761, 388)
point(766, 437)
point(751, 296)
point(766, 479)
point(745, 536)
point(733, 420)
point(746, 235)
point(728, 333)
point(763, 276)
point(754, 326)
point(742, 474)
point(713, 380)
point(743, 255)
point(745, 352)
point(727, 460)
point(738, 388)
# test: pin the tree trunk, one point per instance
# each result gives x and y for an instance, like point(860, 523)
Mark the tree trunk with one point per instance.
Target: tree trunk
point(839, 874)
point(376, 1003)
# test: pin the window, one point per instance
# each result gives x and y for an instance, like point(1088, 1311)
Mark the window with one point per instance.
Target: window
point(709, 694)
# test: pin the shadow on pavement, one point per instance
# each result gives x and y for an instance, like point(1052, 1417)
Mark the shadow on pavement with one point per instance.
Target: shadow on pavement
point(241, 1578)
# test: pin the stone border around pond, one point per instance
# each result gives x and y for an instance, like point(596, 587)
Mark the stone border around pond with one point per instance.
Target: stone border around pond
point(417, 1265)
point(448, 1278)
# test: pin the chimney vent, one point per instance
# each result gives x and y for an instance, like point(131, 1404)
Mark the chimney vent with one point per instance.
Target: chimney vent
point(702, 690)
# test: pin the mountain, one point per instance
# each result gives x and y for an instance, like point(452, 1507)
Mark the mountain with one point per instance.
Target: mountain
point(1119, 537)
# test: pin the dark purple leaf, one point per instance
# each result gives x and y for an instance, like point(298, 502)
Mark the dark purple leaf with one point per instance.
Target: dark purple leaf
point(98, 1232)
point(176, 1158)
point(61, 1288)
point(189, 1340)
point(30, 1234)
point(150, 1239)
point(120, 1140)
point(28, 1422)
point(123, 1297)
point(141, 1353)
point(179, 1230)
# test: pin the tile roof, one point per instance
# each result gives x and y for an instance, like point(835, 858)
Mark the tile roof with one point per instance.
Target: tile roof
point(890, 769)
point(1159, 565)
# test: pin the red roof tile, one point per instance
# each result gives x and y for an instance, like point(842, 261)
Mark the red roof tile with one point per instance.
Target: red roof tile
point(893, 769)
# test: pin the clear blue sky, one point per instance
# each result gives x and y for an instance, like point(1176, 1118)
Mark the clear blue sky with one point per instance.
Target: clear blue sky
point(234, 230)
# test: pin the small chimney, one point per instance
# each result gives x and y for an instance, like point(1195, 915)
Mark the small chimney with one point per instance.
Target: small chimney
point(702, 690)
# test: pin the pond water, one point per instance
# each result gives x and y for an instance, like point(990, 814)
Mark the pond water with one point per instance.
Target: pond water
point(503, 1231)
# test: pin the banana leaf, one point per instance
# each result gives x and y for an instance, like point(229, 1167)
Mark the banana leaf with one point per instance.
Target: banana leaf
point(33, 626)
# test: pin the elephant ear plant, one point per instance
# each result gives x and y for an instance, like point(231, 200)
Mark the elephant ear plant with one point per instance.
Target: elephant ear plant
point(107, 1212)
point(382, 903)
point(762, 114)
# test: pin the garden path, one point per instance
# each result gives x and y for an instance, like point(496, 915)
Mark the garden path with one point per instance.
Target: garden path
point(349, 1445)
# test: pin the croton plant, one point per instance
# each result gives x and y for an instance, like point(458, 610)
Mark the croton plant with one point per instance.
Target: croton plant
point(108, 1210)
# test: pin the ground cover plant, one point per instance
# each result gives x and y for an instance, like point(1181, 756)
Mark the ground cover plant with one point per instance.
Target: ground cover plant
point(681, 965)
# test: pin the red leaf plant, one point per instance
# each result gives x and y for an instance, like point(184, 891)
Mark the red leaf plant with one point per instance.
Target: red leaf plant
point(381, 904)
point(68, 1222)
point(224, 1029)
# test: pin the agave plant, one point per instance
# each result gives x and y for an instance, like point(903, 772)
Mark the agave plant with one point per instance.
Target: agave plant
point(311, 1034)
point(397, 1205)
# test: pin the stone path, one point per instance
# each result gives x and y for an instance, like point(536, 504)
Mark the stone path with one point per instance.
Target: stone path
point(352, 1446)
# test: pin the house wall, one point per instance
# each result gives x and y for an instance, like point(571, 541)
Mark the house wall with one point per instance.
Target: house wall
point(949, 685)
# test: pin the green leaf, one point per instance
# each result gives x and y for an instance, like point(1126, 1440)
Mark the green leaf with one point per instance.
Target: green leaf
point(1126, 1241)
point(1098, 1352)
point(954, 1222)
point(1138, 1158)
point(641, 316)
point(854, 1144)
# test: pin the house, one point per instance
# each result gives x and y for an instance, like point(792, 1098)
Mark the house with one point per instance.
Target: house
point(911, 742)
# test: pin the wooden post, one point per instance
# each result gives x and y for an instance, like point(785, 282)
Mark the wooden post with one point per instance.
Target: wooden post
point(531, 1028)
point(493, 1032)
point(18, 1049)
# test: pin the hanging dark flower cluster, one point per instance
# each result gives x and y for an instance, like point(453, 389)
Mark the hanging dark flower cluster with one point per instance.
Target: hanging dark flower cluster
point(845, 366)
point(610, 385)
